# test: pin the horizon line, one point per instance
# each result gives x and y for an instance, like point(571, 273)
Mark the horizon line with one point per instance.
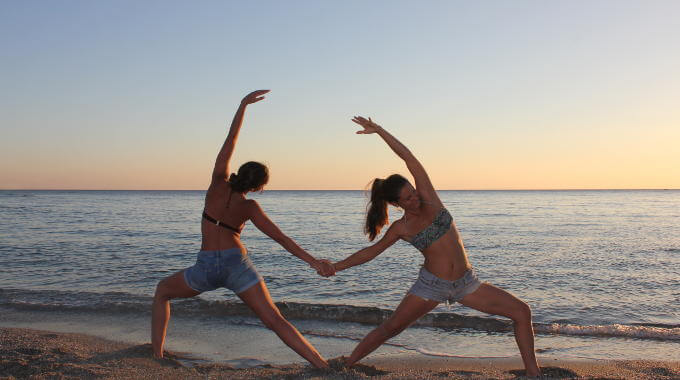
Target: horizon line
point(490, 189)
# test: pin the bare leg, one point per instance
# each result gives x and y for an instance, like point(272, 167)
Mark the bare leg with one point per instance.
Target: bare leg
point(492, 300)
point(409, 310)
point(171, 287)
point(258, 299)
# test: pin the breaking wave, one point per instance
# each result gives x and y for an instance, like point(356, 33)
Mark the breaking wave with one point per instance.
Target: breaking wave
point(118, 302)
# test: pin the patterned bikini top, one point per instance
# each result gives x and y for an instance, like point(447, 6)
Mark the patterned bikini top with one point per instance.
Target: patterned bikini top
point(440, 225)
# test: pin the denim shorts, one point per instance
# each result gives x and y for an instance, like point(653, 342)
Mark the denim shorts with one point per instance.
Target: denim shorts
point(227, 268)
point(433, 288)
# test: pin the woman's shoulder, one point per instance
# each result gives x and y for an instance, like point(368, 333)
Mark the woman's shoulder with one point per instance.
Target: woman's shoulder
point(399, 227)
point(251, 206)
point(250, 202)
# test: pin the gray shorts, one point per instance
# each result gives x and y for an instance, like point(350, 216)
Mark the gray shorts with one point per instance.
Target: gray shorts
point(433, 288)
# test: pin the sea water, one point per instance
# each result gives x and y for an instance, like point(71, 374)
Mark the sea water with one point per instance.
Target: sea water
point(600, 270)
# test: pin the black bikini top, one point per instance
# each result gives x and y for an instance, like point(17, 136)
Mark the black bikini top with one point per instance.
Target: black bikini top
point(221, 224)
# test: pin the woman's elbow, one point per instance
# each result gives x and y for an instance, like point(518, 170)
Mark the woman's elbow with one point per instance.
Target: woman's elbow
point(282, 239)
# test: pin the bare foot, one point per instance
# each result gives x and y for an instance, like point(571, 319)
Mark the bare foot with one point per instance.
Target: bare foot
point(337, 363)
point(534, 373)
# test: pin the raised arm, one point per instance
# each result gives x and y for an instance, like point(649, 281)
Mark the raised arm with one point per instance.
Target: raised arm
point(264, 224)
point(371, 252)
point(221, 170)
point(423, 183)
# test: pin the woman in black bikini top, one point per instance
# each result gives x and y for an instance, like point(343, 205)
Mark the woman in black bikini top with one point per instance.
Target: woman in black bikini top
point(223, 259)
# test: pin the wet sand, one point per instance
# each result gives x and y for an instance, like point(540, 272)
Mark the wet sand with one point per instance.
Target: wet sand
point(35, 354)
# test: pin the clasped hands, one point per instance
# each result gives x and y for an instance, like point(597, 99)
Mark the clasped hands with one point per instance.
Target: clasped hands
point(324, 268)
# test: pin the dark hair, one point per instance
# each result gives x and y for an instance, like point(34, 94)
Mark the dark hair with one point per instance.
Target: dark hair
point(251, 176)
point(382, 191)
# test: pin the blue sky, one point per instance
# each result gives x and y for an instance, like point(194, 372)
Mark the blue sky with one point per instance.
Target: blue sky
point(494, 94)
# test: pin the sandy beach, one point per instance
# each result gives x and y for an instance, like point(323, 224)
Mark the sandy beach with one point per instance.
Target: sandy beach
point(35, 354)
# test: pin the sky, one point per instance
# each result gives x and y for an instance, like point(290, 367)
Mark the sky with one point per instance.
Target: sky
point(487, 95)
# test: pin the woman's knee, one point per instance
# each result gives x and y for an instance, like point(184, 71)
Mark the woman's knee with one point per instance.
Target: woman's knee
point(162, 291)
point(521, 312)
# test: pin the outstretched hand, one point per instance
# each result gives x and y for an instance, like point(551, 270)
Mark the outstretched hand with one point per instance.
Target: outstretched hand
point(325, 268)
point(368, 124)
point(254, 97)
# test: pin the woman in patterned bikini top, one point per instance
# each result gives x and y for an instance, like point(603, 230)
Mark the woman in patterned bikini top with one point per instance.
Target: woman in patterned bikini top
point(446, 274)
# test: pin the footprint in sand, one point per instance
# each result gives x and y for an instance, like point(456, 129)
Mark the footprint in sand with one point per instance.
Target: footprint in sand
point(338, 364)
point(550, 372)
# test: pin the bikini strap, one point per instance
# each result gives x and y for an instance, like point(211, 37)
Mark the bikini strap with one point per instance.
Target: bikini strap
point(219, 223)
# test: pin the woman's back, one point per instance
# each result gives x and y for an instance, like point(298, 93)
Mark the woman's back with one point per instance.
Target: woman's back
point(228, 207)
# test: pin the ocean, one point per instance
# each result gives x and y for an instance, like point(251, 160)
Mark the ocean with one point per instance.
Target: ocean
point(600, 269)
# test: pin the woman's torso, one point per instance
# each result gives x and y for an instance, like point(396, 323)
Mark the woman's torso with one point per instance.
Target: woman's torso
point(230, 208)
point(445, 255)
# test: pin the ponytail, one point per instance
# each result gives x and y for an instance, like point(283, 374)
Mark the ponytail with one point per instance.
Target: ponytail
point(233, 178)
point(383, 191)
point(376, 214)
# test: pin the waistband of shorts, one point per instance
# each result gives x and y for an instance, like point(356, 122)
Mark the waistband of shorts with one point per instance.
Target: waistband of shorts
point(467, 277)
point(221, 252)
